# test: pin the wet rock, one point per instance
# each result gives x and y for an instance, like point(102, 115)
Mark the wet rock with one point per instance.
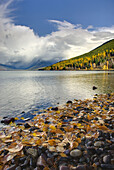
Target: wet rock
point(89, 143)
point(8, 120)
point(27, 119)
point(67, 152)
point(107, 159)
point(50, 161)
point(63, 159)
point(91, 150)
point(36, 168)
point(75, 153)
point(5, 117)
point(47, 122)
point(94, 87)
point(33, 128)
point(99, 151)
point(96, 118)
point(32, 152)
point(25, 164)
point(62, 167)
point(112, 140)
point(69, 102)
point(19, 124)
point(88, 160)
point(100, 138)
point(81, 167)
point(107, 166)
point(83, 138)
point(33, 162)
point(98, 144)
point(26, 125)
point(12, 167)
point(54, 108)
point(52, 148)
point(18, 168)
point(81, 160)
point(112, 161)
point(41, 161)
point(96, 159)
point(21, 160)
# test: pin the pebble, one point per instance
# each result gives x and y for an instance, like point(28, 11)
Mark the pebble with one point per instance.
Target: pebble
point(107, 159)
point(89, 143)
point(98, 144)
point(18, 168)
point(52, 148)
point(62, 167)
point(26, 125)
point(7, 121)
point(107, 166)
point(41, 161)
point(54, 108)
point(94, 87)
point(69, 102)
point(32, 152)
point(81, 160)
point(91, 150)
point(81, 167)
point(75, 153)
point(11, 167)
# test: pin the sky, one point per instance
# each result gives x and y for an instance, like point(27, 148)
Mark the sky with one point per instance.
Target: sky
point(53, 29)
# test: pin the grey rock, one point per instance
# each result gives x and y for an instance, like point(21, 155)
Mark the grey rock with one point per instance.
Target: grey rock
point(32, 152)
point(81, 167)
point(82, 160)
point(107, 166)
point(62, 167)
point(18, 168)
point(107, 159)
point(98, 144)
point(11, 167)
point(75, 153)
point(41, 161)
point(91, 150)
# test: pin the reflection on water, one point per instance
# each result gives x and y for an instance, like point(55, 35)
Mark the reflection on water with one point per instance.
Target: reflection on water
point(25, 91)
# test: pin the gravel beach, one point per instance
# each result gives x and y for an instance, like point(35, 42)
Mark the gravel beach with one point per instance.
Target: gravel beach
point(76, 136)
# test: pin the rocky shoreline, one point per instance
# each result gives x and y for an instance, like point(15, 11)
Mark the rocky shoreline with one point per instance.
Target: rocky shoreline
point(78, 136)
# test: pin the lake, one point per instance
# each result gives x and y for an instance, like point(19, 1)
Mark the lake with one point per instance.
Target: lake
point(33, 90)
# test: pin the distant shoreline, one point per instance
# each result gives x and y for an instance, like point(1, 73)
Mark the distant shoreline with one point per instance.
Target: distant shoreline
point(74, 70)
point(58, 70)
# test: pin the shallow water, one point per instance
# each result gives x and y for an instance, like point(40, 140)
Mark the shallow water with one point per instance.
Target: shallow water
point(32, 90)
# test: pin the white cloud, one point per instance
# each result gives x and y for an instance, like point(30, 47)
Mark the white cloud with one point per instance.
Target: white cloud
point(20, 43)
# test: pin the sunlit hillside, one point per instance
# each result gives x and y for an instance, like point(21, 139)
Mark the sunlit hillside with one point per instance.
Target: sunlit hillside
point(101, 58)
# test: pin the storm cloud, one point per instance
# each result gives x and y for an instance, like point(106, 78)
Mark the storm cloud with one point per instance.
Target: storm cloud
point(20, 43)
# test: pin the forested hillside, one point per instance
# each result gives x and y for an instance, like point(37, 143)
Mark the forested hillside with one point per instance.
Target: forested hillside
point(101, 58)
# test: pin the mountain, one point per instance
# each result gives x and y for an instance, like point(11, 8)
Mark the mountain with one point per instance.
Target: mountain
point(101, 58)
point(5, 67)
point(40, 63)
point(19, 65)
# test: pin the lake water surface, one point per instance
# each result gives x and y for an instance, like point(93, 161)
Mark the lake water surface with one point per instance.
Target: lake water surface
point(32, 90)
